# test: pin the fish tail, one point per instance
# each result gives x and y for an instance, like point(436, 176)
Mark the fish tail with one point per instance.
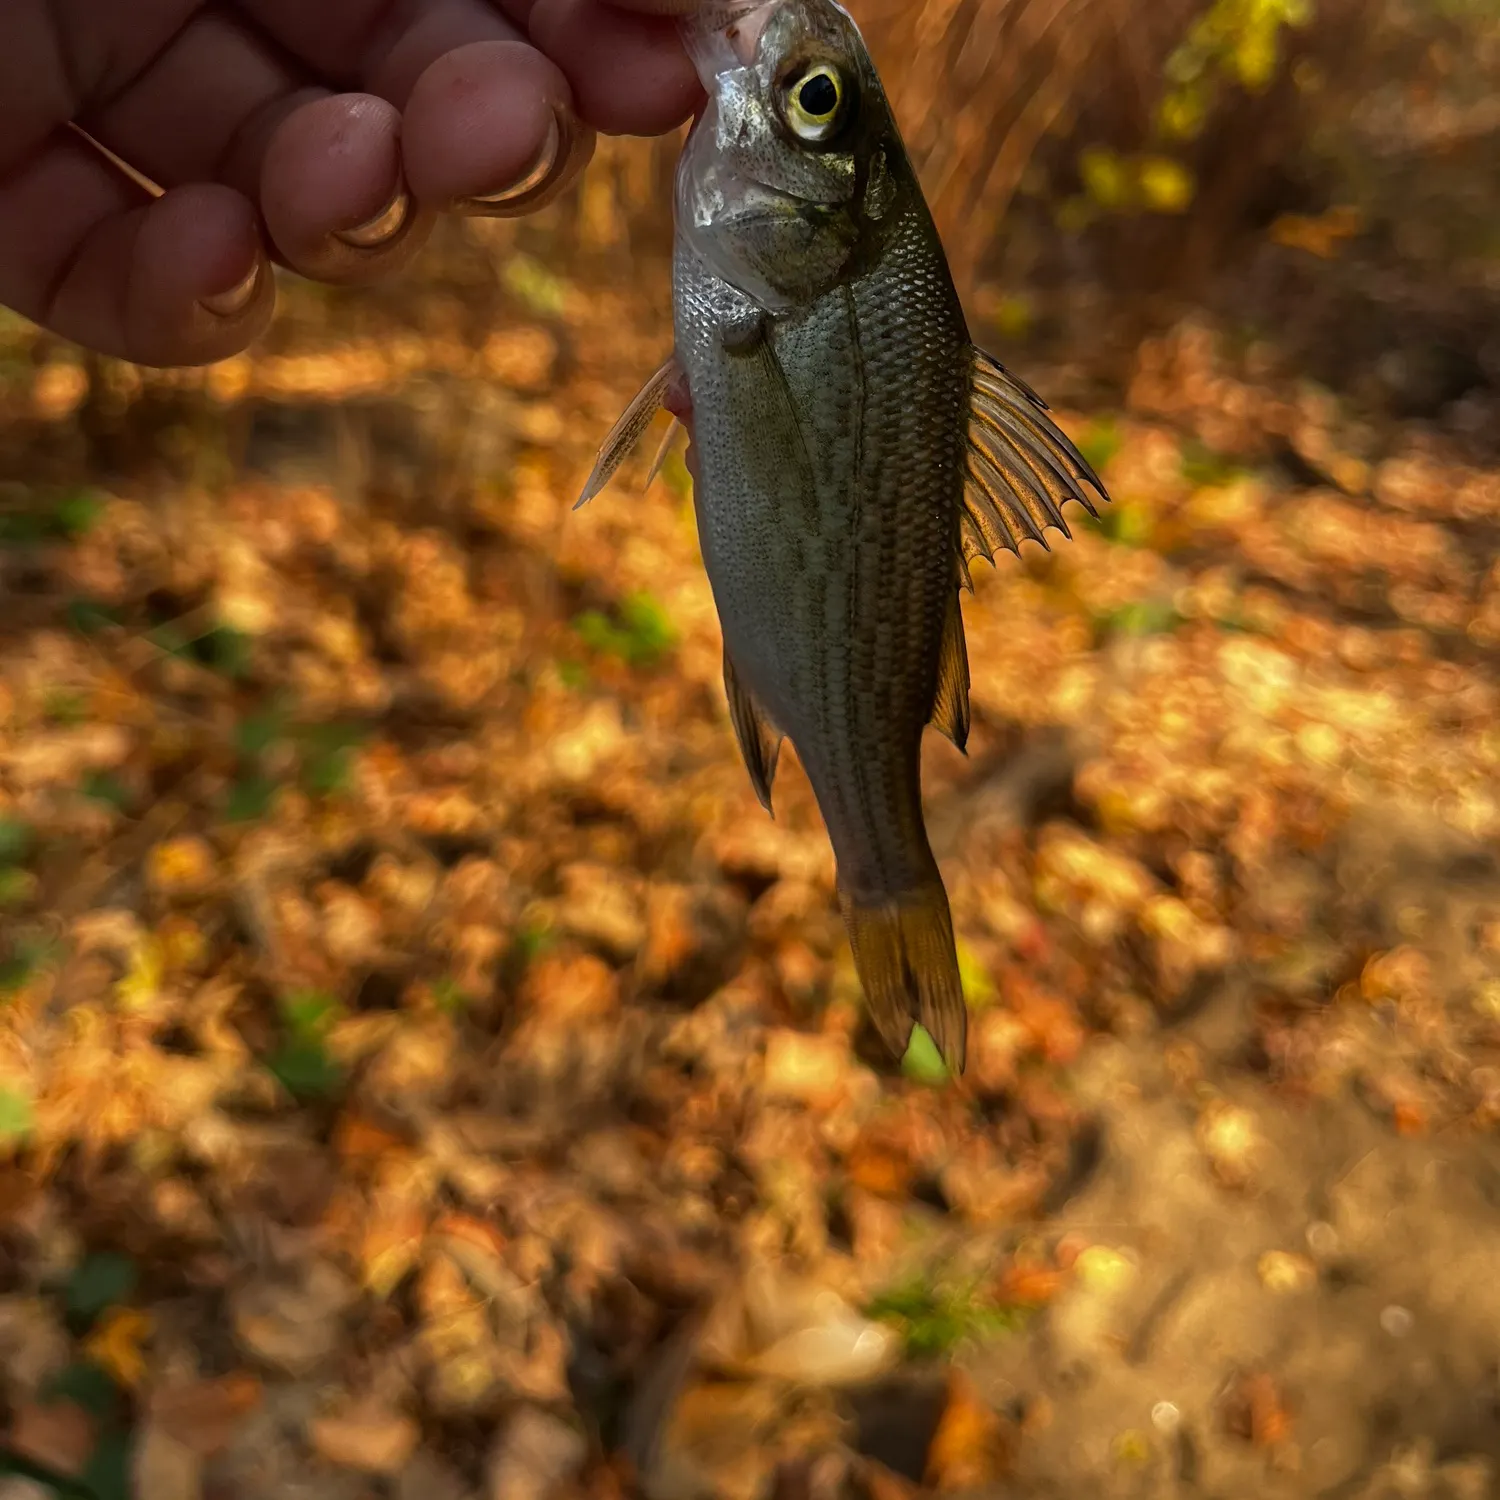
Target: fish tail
point(908, 965)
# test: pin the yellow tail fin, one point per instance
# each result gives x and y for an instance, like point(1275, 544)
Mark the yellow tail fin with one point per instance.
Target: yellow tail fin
point(908, 965)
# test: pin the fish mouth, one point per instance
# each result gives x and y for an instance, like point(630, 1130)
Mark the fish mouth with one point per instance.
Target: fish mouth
point(722, 35)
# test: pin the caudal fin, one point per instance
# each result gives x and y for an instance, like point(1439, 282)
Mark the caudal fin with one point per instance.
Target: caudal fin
point(908, 965)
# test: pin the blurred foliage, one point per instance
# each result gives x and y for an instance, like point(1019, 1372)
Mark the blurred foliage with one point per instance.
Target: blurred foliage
point(639, 633)
point(934, 1319)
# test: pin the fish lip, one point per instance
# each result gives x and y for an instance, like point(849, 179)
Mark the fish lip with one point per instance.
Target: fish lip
point(723, 35)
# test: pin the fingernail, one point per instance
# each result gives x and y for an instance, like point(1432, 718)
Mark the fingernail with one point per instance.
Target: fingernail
point(232, 303)
point(537, 179)
point(384, 227)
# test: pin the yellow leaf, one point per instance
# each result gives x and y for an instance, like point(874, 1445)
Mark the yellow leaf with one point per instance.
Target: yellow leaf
point(139, 986)
point(115, 1344)
point(1166, 185)
point(1105, 179)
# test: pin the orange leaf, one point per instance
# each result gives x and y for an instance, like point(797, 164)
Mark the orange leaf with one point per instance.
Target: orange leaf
point(968, 1450)
point(879, 1169)
point(115, 1344)
point(57, 1435)
point(358, 1139)
point(1030, 1286)
point(203, 1416)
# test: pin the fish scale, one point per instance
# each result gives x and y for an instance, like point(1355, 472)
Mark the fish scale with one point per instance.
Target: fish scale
point(854, 452)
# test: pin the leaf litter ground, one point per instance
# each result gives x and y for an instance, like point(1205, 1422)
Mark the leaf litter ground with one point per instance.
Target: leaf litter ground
point(412, 1029)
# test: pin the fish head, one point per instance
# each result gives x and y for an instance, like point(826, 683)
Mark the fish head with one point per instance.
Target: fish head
point(795, 169)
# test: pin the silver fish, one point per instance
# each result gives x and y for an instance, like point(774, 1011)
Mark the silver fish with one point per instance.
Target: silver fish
point(855, 451)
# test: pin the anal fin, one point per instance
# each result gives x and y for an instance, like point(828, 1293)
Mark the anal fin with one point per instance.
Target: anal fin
point(950, 709)
point(760, 740)
point(631, 428)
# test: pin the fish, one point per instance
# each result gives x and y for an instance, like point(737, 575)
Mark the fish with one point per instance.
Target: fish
point(854, 452)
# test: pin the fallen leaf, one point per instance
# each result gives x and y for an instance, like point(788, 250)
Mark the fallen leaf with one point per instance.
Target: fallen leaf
point(366, 1436)
point(1029, 1286)
point(359, 1141)
point(1231, 1142)
point(970, 1448)
point(163, 1468)
point(292, 1325)
point(534, 1457)
point(115, 1344)
point(389, 1248)
point(805, 1068)
point(181, 866)
point(55, 1434)
point(1254, 1410)
point(204, 1414)
point(1283, 1272)
point(880, 1169)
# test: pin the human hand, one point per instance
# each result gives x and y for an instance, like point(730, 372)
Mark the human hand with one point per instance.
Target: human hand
point(324, 133)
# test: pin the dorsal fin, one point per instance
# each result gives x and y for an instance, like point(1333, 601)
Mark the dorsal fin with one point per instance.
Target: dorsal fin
point(631, 428)
point(760, 740)
point(1022, 467)
point(950, 709)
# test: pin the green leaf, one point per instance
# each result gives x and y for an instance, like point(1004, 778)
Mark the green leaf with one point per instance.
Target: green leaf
point(329, 772)
point(78, 512)
point(16, 840)
point(16, 886)
point(65, 707)
point(27, 957)
point(101, 1281)
point(225, 649)
point(85, 1384)
point(249, 799)
point(933, 1321)
point(309, 1013)
point(1202, 467)
point(597, 633)
point(1100, 442)
point(642, 636)
point(100, 786)
point(648, 627)
point(305, 1069)
point(17, 1117)
point(534, 939)
point(1125, 522)
point(107, 1474)
point(20, 528)
point(257, 733)
point(89, 618)
point(450, 997)
point(324, 739)
point(1142, 617)
point(923, 1062)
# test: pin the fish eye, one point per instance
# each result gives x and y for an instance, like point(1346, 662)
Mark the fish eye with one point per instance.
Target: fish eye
point(814, 102)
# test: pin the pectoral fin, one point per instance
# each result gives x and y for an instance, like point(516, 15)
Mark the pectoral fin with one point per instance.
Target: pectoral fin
point(631, 428)
point(950, 710)
point(760, 740)
point(1022, 467)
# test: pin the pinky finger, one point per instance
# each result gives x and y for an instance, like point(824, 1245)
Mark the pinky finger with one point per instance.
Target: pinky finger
point(178, 279)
